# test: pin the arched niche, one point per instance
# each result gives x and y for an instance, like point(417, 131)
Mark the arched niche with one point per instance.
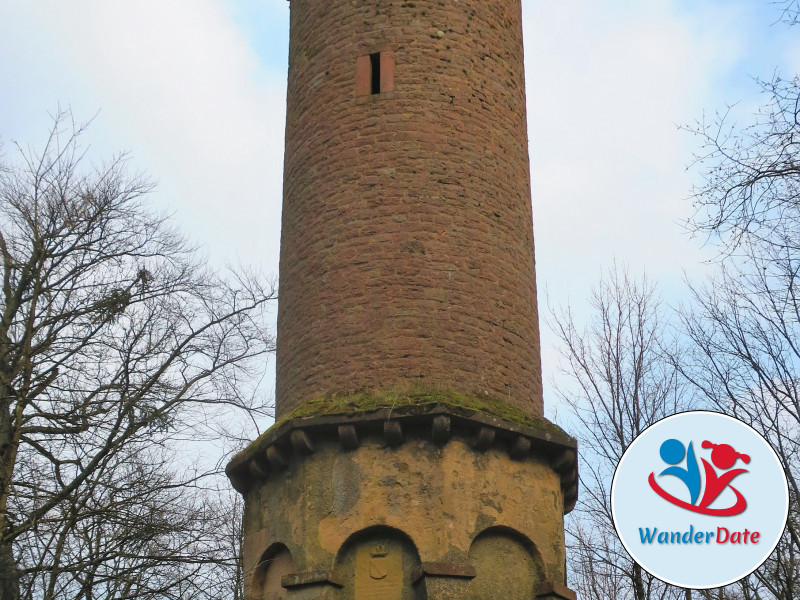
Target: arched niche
point(276, 562)
point(377, 564)
point(507, 565)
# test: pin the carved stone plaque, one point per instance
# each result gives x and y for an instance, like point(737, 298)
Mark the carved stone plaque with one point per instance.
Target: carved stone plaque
point(379, 572)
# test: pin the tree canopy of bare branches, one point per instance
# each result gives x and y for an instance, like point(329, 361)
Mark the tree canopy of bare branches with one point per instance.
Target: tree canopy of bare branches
point(749, 195)
point(790, 11)
point(745, 323)
point(115, 340)
point(618, 380)
point(631, 366)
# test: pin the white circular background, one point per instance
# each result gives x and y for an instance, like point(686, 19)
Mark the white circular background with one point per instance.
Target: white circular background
point(635, 505)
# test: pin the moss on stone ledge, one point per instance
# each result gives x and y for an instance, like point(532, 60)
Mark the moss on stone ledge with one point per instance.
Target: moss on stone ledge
point(350, 404)
point(402, 403)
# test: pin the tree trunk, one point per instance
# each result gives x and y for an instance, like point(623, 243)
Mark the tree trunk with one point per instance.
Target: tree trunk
point(638, 583)
point(9, 576)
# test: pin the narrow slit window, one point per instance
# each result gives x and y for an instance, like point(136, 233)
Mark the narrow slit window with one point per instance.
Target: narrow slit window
point(375, 71)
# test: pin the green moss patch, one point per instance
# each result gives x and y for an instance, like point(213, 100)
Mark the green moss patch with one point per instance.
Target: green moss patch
point(406, 403)
point(351, 404)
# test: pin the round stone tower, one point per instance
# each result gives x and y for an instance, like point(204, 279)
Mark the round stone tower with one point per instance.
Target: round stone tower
point(409, 458)
point(407, 244)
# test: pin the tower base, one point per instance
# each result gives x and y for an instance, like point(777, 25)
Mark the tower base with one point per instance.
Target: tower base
point(433, 503)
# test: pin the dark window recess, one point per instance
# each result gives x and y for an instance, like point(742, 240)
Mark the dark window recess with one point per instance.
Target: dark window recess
point(375, 73)
point(375, 69)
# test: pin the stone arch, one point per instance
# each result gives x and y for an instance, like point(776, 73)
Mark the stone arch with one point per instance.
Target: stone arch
point(507, 565)
point(276, 562)
point(378, 563)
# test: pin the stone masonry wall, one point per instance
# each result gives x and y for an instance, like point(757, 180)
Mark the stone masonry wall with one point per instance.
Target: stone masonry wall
point(446, 501)
point(407, 243)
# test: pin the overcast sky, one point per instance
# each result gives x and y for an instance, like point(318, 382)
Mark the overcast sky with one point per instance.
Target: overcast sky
point(195, 91)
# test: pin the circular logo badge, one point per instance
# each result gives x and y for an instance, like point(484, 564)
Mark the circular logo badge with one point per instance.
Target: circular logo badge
point(699, 499)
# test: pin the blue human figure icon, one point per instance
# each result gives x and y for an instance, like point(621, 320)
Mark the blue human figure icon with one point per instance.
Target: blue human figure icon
point(672, 452)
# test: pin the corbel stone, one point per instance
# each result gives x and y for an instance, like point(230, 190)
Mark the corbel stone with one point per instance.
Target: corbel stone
point(348, 437)
point(564, 461)
point(520, 448)
point(485, 439)
point(441, 429)
point(569, 478)
point(240, 478)
point(393, 433)
point(301, 442)
point(278, 459)
point(259, 468)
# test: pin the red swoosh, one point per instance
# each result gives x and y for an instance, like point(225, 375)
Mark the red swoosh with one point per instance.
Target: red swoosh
point(737, 508)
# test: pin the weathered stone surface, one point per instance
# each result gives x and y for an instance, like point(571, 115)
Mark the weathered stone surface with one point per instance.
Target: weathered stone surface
point(485, 438)
point(379, 572)
point(377, 563)
point(441, 429)
point(348, 437)
point(274, 566)
point(520, 448)
point(506, 565)
point(407, 238)
point(443, 569)
point(278, 458)
point(319, 591)
point(301, 442)
point(442, 581)
point(445, 504)
point(310, 578)
point(564, 461)
point(319, 585)
point(393, 432)
point(554, 591)
point(522, 442)
point(443, 588)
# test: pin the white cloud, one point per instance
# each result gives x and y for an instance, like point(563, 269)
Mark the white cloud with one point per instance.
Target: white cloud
point(180, 87)
point(605, 91)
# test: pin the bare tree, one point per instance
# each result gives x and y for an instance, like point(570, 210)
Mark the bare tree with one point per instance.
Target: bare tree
point(617, 381)
point(746, 362)
point(790, 11)
point(115, 341)
point(622, 373)
point(747, 198)
point(745, 325)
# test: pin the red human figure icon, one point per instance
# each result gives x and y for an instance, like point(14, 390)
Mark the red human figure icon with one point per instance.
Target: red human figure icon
point(724, 457)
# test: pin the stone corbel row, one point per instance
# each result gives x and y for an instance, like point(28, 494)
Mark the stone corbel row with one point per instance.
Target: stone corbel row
point(297, 437)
